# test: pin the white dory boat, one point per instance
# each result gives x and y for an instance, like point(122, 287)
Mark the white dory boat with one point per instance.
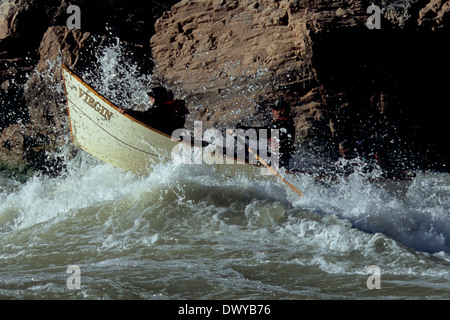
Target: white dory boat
point(101, 130)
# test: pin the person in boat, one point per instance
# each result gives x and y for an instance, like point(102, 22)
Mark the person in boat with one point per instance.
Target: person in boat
point(281, 120)
point(345, 149)
point(165, 114)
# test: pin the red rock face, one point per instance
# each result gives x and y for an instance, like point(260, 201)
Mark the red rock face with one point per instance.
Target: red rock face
point(342, 81)
point(227, 55)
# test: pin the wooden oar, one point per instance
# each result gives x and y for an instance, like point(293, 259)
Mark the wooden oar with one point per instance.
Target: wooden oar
point(279, 176)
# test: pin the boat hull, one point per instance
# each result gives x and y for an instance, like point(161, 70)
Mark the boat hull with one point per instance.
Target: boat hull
point(101, 130)
point(98, 128)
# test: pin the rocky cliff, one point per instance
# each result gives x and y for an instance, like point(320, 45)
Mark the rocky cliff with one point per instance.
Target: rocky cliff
point(379, 89)
point(228, 58)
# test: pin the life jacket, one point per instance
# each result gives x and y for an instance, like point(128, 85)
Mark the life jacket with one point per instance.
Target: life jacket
point(282, 119)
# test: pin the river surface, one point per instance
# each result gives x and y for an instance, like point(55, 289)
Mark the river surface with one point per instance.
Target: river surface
point(183, 232)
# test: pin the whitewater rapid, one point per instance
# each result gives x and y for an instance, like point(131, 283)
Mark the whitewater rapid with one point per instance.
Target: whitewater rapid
point(184, 232)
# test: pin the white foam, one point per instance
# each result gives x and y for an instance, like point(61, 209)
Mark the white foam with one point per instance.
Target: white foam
point(418, 217)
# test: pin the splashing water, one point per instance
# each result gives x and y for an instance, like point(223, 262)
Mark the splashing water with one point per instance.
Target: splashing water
point(119, 78)
point(407, 211)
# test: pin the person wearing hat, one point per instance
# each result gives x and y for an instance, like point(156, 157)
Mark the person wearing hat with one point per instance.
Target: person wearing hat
point(165, 114)
point(282, 121)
